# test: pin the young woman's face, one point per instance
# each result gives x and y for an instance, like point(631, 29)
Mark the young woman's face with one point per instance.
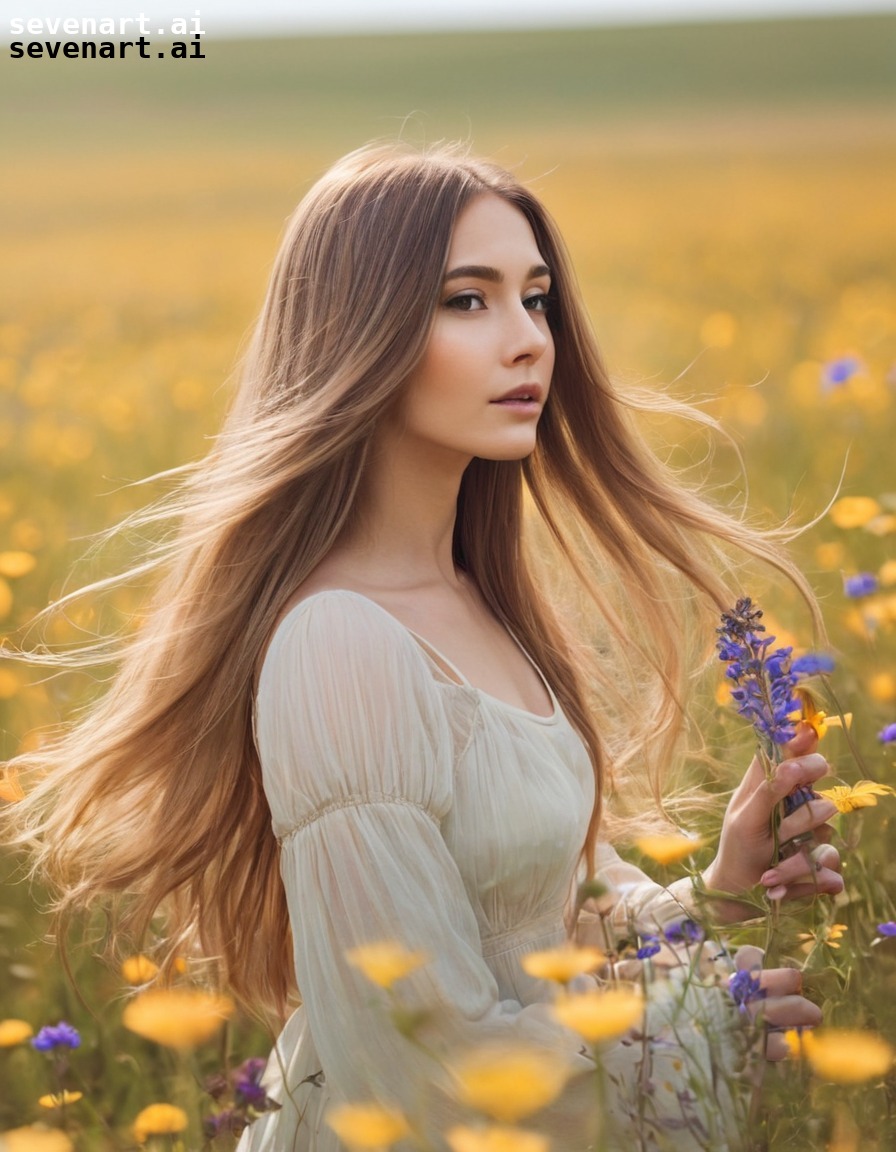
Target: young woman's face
point(484, 377)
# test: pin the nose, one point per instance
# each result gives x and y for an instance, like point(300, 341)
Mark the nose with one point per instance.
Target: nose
point(528, 337)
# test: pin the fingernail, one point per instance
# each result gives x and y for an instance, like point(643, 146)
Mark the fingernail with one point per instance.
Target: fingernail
point(776, 893)
point(770, 877)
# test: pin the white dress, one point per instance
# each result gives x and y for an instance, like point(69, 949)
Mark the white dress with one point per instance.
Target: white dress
point(415, 808)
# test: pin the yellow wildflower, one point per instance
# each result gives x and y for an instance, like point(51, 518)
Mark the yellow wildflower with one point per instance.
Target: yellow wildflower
point(495, 1138)
point(14, 1032)
point(35, 1138)
point(881, 687)
point(847, 1056)
point(386, 961)
point(159, 1120)
point(854, 511)
point(830, 935)
point(886, 574)
point(138, 969)
point(562, 964)
point(367, 1125)
point(862, 795)
point(15, 564)
point(508, 1083)
point(601, 1014)
point(669, 848)
point(830, 556)
point(10, 788)
point(60, 1099)
point(177, 1017)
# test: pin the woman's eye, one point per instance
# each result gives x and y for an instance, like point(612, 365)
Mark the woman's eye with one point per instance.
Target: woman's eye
point(468, 303)
point(540, 302)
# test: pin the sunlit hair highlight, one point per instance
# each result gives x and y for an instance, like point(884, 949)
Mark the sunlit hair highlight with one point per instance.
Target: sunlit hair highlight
point(154, 797)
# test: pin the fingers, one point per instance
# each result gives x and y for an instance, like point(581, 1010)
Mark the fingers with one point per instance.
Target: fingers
point(805, 874)
point(780, 1005)
point(790, 1012)
point(806, 818)
point(793, 772)
point(749, 957)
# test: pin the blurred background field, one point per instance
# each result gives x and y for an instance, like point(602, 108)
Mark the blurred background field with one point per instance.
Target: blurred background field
point(727, 193)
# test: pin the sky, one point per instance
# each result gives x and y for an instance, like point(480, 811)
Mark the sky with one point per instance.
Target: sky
point(268, 16)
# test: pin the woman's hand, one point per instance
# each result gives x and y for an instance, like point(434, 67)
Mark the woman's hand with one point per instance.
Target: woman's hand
point(810, 865)
point(779, 1001)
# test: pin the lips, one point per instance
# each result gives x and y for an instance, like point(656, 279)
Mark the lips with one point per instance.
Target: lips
point(530, 392)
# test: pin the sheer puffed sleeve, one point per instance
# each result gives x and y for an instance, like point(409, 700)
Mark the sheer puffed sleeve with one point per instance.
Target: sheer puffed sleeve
point(358, 759)
point(640, 905)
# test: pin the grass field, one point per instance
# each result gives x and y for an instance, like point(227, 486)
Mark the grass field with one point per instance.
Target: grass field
point(727, 195)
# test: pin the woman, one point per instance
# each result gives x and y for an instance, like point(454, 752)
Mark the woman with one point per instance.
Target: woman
point(354, 713)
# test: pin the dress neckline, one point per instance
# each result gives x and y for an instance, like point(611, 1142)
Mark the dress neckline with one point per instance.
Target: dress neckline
point(431, 651)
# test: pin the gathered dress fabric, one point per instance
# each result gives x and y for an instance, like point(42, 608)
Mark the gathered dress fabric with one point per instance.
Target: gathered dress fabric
point(411, 806)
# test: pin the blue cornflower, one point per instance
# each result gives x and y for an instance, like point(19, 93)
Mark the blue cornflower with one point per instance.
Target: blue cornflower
point(745, 988)
point(765, 679)
point(839, 371)
point(888, 928)
point(683, 931)
point(812, 664)
point(887, 735)
point(861, 585)
point(650, 945)
point(55, 1036)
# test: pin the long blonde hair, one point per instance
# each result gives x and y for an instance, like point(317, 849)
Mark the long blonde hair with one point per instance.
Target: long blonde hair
point(155, 794)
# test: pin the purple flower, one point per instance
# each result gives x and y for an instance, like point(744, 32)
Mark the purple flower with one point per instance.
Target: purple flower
point(765, 679)
point(60, 1035)
point(683, 931)
point(888, 928)
point(247, 1081)
point(801, 795)
point(887, 735)
point(861, 585)
point(839, 371)
point(650, 945)
point(745, 988)
point(812, 664)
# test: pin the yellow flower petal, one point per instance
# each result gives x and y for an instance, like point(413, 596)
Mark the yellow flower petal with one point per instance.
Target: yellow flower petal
point(14, 1032)
point(861, 795)
point(138, 969)
point(509, 1083)
point(669, 848)
point(159, 1120)
point(882, 687)
point(847, 1056)
point(177, 1017)
point(854, 511)
point(886, 574)
point(495, 1138)
point(386, 961)
point(60, 1099)
point(562, 964)
point(35, 1138)
point(367, 1125)
point(601, 1014)
point(15, 564)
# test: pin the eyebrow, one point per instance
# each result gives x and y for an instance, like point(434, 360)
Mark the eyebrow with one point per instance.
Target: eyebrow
point(484, 272)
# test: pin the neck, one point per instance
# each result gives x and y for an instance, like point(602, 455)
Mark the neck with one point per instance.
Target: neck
point(405, 527)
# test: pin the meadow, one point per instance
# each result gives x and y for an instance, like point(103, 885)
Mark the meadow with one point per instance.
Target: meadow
point(727, 193)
